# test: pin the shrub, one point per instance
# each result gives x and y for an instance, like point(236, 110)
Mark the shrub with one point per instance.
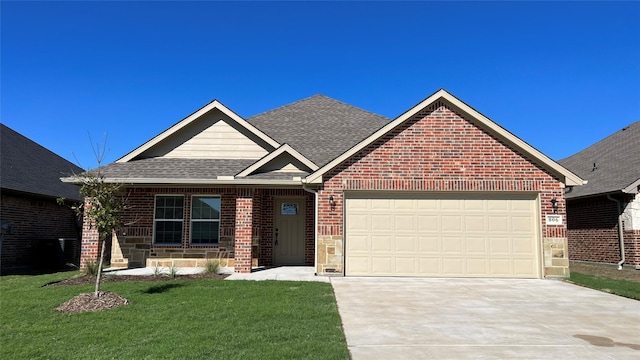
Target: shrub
point(91, 268)
point(212, 266)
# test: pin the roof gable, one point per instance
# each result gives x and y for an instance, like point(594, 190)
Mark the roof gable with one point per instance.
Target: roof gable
point(319, 127)
point(28, 167)
point(283, 159)
point(566, 176)
point(610, 165)
point(213, 132)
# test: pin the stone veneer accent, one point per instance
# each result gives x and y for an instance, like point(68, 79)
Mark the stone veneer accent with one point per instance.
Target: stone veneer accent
point(438, 150)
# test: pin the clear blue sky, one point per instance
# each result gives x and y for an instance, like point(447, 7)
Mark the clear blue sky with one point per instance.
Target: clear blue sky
point(560, 75)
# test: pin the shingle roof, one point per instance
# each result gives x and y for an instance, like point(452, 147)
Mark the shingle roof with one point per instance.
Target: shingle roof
point(616, 159)
point(174, 168)
point(320, 128)
point(28, 167)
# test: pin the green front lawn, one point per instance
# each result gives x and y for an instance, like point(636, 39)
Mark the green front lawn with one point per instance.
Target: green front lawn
point(626, 288)
point(178, 319)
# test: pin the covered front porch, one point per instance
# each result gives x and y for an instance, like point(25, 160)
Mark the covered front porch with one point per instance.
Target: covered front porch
point(248, 228)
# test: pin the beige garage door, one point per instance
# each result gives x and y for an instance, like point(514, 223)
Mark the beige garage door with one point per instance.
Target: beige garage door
point(441, 235)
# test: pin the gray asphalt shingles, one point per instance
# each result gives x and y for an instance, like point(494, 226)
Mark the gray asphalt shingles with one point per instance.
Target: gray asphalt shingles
point(28, 167)
point(175, 168)
point(616, 159)
point(320, 128)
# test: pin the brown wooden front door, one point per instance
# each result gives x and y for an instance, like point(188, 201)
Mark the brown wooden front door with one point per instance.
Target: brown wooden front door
point(289, 231)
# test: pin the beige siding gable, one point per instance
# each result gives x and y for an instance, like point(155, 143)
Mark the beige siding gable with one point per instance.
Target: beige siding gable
point(212, 136)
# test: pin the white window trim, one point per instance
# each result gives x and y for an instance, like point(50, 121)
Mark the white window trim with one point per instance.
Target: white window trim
point(155, 203)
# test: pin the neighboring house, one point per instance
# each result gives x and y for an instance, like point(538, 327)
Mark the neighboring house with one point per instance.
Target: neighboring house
point(32, 221)
point(439, 191)
point(608, 203)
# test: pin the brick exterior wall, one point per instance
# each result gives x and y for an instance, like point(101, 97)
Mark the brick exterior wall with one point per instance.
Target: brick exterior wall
point(36, 225)
point(438, 151)
point(592, 231)
point(133, 245)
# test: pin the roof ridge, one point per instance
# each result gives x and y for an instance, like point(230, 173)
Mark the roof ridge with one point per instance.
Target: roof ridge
point(318, 95)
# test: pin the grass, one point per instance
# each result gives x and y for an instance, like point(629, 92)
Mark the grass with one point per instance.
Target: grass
point(188, 319)
point(626, 288)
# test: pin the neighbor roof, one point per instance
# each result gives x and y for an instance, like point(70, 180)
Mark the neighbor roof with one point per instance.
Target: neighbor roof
point(610, 165)
point(319, 127)
point(28, 167)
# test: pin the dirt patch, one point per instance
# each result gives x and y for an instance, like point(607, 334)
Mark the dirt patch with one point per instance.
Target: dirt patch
point(607, 271)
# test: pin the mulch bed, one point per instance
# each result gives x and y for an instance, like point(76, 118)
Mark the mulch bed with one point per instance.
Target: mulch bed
point(85, 279)
point(108, 300)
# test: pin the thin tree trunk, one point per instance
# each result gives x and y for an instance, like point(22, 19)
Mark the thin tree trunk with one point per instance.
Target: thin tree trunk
point(99, 275)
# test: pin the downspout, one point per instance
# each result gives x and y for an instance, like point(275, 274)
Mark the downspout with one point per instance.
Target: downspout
point(620, 231)
point(315, 229)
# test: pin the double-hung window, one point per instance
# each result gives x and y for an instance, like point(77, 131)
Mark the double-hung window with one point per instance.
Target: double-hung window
point(205, 220)
point(168, 219)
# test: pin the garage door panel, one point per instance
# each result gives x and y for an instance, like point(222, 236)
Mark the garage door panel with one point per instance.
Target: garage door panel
point(500, 267)
point(477, 245)
point(382, 222)
point(428, 223)
point(406, 244)
point(522, 246)
point(497, 206)
point(357, 223)
point(429, 245)
point(381, 243)
point(521, 224)
point(453, 266)
point(499, 245)
point(406, 265)
point(444, 236)
point(522, 267)
point(381, 204)
point(382, 265)
point(451, 223)
point(476, 266)
point(427, 204)
point(430, 266)
point(475, 223)
point(498, 223)
point(359, 265)
point(452, 245)
point(404, 223)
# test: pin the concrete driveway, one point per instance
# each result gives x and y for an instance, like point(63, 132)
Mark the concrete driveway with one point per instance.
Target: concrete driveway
point(413, 318)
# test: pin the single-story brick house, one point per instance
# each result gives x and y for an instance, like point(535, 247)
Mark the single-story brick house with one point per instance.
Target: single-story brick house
point(439, 191)
point(32, 221)
point(605, 213)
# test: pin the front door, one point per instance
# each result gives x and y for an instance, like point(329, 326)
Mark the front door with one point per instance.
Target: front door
point(289, 231)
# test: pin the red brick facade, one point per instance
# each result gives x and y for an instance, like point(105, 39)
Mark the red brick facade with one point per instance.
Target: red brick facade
point(37, 222)
point(437, 150)
point(593, 232)
point(246, 228)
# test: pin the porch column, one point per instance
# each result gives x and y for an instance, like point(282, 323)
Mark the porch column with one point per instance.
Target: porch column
point(90, 246)
point(243, 231)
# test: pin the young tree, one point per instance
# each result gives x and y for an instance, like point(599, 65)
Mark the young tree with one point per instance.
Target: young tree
point(103, 206)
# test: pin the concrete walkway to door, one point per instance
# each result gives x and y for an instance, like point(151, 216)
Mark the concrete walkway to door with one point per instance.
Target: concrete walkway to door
point(416, 318)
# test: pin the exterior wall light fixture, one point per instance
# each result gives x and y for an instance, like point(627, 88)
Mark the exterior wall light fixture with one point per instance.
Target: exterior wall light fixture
point(554, 205)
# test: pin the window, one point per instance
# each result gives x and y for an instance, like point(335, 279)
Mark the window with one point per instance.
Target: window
point(205, 220)
point(168, 219)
